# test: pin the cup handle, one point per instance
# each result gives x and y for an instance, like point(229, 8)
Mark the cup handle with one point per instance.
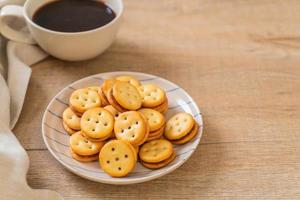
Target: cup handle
point(11, 11)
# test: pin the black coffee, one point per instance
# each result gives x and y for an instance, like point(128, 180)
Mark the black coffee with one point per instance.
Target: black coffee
point(73, 15)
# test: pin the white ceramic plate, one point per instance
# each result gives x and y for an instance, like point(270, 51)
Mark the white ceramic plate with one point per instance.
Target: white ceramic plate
point(57, 140)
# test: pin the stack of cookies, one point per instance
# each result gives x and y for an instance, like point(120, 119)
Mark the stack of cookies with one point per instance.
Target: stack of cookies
point(181, 128)
point(83, 149)
point(154, 97)
point(97, 124)
point(157, 154)
point(111, 122)
point(124, 97)
point(131, 126)
point(156, 122)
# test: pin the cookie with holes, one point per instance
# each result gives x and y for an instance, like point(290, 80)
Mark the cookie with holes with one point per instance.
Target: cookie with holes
point(124, 96)
point(130, 80)
point(83, 149)
point(152, 95)
point(156, 122)
point(71, 120)
point(117, 158)
point(83, 99)
point(132, 127)
point(158, 153)
point(97, 124)
point(181, 128)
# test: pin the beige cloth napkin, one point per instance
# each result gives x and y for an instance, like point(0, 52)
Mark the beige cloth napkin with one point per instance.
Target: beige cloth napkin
point(15, 59)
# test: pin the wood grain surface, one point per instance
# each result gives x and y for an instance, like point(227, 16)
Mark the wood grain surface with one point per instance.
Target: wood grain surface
point(238, 59)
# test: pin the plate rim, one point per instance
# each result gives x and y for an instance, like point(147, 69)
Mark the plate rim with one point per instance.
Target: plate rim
point(119, 181)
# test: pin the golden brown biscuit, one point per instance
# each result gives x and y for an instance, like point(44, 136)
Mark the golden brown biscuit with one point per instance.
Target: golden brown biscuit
point(97, 123)
point(156, 151)
point(152, 95)
point(83, 99)
point(117, 158)
point(126, 95)
point(131, 127)
point(179, 125)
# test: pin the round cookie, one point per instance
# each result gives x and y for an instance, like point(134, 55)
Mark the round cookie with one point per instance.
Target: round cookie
point(71, 119)
point(127, 96)
point(130, 80)
point(97, 123)
point(159, 164)
point(117, 158)
point(155, 119)
point(83, 99)
point(131, 127)
point(188, 137)
point(151, 95)
point(68, 129)
point(156, 151)
point(80, 158)
point(82, 146)
point(112, 110)
point(179, 125)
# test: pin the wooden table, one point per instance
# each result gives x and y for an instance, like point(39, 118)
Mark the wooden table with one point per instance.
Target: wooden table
point(238, 59)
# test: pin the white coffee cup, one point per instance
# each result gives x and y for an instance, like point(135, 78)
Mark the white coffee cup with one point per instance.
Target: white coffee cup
point(63, 45)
